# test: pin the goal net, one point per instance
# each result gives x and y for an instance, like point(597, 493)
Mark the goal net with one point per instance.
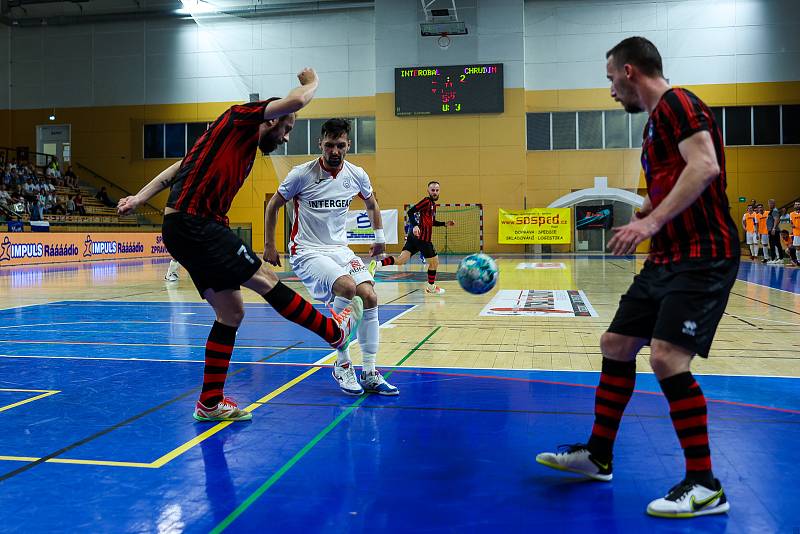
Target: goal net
point(466, 237)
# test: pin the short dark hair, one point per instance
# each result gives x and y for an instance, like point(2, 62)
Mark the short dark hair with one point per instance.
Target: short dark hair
point(433, 182)
point(640, 53)
point(335, 127)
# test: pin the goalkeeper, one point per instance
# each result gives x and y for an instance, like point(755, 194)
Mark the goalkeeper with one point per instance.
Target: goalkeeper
point(422, 219)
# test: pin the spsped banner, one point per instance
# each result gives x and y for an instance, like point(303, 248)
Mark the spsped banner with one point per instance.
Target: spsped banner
point(534, 226)
point(594, 217)
point(360, 232)
point(34, 248)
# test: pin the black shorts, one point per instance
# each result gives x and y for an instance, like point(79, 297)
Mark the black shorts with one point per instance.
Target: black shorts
point(680, 303)
point(414, 245)
point(211, 253)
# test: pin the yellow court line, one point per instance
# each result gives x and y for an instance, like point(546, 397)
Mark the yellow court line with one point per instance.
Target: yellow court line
point(45, 393)
point(78, 461)
point(171, 455)
point(163, 460)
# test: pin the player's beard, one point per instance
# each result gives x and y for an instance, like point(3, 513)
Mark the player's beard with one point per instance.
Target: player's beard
point(434, 197)
point(334, 162)
point(267, 144)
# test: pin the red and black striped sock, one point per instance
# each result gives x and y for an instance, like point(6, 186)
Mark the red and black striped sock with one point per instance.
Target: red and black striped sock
point(300, 311)
point(219, 348)
point(687, 408)
point(617, 381)
point(388, 260)
point(431, 276)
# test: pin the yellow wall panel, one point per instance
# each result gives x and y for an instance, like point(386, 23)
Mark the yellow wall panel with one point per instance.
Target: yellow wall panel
point(396, 134)
point(542, 163)
point(497, 189)
point(397, 162)
point(448, 132)
point(536, 101)
point(719, 94)
point(454, 189)
point(770, 159)
point(594, 162)
point(502, 131)
point(502, 160)
point(447, 161)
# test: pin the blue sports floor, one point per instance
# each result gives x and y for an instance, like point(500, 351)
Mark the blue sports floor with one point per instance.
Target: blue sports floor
point(96, 400)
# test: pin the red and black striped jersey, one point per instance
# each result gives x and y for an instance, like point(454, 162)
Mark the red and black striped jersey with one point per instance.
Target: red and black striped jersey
point(423, 214)
point(704, 230)
point(217, 165)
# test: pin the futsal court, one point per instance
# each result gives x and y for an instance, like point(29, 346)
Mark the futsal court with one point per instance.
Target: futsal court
point(101, 365)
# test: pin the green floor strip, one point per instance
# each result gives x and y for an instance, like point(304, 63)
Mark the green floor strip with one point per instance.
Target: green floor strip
point(308, 446)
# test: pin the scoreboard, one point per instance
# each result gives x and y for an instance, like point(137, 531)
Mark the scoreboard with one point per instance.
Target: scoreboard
point(448, 90)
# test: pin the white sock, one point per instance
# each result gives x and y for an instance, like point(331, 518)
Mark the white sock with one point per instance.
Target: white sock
point(369, 338)
point(766, 252)
point(339, 304)
point(173, 267)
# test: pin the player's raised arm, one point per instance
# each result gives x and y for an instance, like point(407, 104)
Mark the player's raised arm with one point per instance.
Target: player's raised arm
point(164, 179)
point(297, 99)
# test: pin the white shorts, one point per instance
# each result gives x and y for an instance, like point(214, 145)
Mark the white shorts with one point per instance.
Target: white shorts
point(765, 239)
point(752, 238)
point(318, 270)
point(796, 241)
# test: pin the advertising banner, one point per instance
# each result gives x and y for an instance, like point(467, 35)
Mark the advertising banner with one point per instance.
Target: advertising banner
point(534, 226)
point(359, 229)
point(539, 303)
point(594, 217)
point(35, 248)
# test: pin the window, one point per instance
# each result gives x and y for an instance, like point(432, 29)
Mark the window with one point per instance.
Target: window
point(737, 126)
point(791, 125)
point(193, 132)
point(617, 129)
point(767, 125)
point(638, 122)
point(564, 131)
point(175, 140)
point(365, 134)
point(153, 140)
point(538, 126)
point(590, 129)
point(298, 139)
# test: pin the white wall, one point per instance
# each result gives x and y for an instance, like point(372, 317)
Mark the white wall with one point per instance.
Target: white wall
point(168, 62)
point(495, 36)
point(701, 41)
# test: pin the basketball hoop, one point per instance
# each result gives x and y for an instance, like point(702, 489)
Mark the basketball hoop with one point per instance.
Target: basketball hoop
point(443, 41)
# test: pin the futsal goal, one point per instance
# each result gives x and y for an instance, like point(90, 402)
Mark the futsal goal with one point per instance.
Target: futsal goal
point(466, 237)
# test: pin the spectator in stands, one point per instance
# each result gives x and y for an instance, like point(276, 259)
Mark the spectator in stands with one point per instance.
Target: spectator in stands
point(18, 205)
point(53, 170)
point(79, 204)
point(37, 213)
point(70, 180)
point(60, 205)
point(29, 188)
point(49, 186)
point(70, 205)
point(102, 196)
point(5, 197)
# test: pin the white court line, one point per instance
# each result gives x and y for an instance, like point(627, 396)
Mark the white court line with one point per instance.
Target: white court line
point(102, 322)
point(768, 287)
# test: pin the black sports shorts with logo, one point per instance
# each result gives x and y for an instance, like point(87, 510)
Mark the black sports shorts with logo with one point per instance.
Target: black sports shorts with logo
point(414, 245)
point(211, 253)
point(681, 303)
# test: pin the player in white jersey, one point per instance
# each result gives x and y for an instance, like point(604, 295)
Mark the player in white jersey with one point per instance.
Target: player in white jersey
point(322, 191)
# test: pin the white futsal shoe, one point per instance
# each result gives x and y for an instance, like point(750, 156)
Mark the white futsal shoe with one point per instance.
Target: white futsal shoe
point(690, 499)
point(345, 376)
point(375, 383)
point(576, 459)
point(433, 289)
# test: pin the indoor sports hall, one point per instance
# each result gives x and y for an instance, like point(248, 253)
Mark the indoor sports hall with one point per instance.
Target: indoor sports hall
point(507, 106)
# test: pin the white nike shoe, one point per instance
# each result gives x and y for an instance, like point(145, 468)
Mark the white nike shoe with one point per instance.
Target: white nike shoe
point(690, 499)
point(375, 383)
point(345, 376)
point(576, 459)
point(348, 320)
point(171, 277)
